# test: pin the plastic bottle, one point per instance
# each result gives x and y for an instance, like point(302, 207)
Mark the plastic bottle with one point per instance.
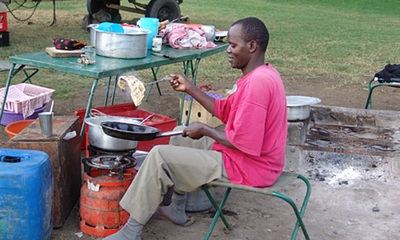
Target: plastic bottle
point(157, 43)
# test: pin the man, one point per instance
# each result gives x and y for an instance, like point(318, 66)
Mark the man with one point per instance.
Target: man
point(249, 151)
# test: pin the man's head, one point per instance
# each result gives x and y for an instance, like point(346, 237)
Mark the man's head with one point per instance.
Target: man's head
point(248, 40)
point(254, 29)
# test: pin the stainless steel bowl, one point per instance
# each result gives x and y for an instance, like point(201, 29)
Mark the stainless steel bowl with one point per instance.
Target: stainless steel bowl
point(130, 45)
point(299, 107)
point(209, 32)
point(92, 30)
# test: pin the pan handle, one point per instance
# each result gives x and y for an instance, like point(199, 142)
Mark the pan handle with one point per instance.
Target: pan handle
point(169, 133)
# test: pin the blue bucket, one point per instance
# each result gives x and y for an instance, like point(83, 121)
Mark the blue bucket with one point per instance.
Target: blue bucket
point(152, 25)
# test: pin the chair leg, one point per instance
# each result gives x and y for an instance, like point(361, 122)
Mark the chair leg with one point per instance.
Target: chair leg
point(218, 213)
point(299, 214)
point(371, 86)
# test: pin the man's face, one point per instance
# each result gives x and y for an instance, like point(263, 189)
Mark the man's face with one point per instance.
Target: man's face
point(238, 48)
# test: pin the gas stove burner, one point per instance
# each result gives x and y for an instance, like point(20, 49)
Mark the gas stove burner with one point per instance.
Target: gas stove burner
point(116, 164)
point(93, 151)
point(112, 162)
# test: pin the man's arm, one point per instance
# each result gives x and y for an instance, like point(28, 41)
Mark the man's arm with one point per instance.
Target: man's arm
point(181, 84)
point(197, 130)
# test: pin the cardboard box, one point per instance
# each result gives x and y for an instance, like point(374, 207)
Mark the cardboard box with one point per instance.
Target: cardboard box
point(198, 113)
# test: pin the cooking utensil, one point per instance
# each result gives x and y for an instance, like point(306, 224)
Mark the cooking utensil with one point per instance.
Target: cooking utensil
point(145, 119)
point(299, 107)
point(99, 139)
point(130, 131)
point(130, 45)
point(161, 80)
point(162, 55)
point(209, 32)
point(92, 30)
point(220, 35)
point(51, 106)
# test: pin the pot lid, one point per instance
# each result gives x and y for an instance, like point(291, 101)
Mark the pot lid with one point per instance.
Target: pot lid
point(297, 101)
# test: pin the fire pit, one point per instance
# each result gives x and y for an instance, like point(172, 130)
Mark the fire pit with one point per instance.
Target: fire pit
point(339, 145)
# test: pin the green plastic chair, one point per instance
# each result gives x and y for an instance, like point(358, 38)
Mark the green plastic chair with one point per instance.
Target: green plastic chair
point(283, 181)
point(374, 83)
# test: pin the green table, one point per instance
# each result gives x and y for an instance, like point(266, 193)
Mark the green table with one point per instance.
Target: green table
point(111, 67)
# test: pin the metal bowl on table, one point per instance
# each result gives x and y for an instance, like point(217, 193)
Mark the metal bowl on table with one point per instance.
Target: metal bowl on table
point(129, 45)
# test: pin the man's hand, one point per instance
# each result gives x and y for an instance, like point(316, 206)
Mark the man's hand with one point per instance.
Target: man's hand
point(195, 130)
point(180, 83)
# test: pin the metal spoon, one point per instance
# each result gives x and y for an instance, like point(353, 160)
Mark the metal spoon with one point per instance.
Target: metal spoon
point(161, 80)
point(51, 106)
point(145, 119)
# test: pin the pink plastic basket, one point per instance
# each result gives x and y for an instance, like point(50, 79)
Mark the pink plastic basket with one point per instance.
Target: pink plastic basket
point(25, 98)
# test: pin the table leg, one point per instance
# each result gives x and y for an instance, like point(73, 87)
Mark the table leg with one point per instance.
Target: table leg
point(151, 85)
point(28, 76)
point(114, 89)
point(11, 74)
point(88, 107)
point(107, 91)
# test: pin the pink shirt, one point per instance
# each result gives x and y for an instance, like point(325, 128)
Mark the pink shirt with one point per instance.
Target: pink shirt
point(256, 124)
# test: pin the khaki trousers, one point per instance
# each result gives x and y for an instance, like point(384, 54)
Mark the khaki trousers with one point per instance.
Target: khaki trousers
point(185, 164)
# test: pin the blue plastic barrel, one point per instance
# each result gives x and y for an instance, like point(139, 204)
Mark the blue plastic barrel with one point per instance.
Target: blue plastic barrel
point(26, 195)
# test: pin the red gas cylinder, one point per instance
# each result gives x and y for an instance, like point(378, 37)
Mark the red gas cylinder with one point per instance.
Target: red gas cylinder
point(106, 180)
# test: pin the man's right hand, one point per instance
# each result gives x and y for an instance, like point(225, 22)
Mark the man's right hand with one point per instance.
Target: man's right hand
point(195, 130)
point(180, 83)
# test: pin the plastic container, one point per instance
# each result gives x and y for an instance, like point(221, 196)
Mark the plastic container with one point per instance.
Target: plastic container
point(164, 123)
point(26, 195)
point(152, 25)
point(14, 128)
point(25, 98)
point(157, 44)
point(109, 110)
point(110, 27)
point(3, 21)
point(10, 117)
point(4, 39)
point(198, 201)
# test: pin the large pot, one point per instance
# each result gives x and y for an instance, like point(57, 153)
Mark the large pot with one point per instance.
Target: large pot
point(299, 107)
point(99, 139)
point(131, 44)
point(92, 30)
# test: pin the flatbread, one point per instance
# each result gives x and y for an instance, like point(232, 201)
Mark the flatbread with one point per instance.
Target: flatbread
point(136, 86)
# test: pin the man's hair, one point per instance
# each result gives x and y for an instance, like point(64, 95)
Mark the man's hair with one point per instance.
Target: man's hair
point(254, 29)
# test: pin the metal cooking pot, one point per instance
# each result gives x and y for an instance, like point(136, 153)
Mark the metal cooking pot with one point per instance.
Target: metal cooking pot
point(92, 29)
point(99, 139)
point(299, 107)
point(209, 32)
point(131, 44)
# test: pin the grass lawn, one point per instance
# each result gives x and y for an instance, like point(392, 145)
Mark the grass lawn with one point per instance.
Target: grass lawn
point(345, 40)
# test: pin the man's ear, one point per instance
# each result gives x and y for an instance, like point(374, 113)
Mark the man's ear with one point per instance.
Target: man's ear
point(252, 46)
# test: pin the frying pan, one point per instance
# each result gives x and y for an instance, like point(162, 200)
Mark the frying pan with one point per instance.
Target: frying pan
point(131, 131)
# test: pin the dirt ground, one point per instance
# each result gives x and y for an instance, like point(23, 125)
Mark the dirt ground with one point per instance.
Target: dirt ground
point(364, 209)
